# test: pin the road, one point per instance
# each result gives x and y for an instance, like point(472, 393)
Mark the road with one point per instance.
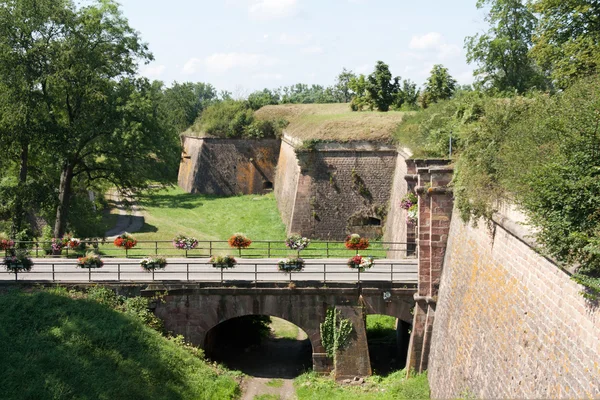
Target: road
point(198, 269)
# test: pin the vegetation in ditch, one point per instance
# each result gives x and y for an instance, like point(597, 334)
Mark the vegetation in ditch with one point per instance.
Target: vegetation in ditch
point(59, 344)
point(540, 152)
point(311, 386)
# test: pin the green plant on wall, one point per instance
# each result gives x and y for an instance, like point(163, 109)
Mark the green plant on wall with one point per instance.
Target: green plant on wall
point(335, 332)
point(360, 185)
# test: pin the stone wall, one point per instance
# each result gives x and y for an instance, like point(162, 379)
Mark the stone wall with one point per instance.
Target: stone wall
point(341, 189)
point(509, 323)
point(228, 166)
point(286, 181)
point(396, 229)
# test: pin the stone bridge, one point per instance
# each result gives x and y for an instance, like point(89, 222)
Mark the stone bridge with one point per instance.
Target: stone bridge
point(192, 311)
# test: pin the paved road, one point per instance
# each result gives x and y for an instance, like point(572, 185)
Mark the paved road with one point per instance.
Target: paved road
point(197, 269)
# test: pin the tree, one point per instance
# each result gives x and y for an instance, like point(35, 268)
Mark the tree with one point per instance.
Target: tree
point(566, 42)
point(342, 86)
point(29, 33)
point(503, 51)
point(360, 99)
point(407, 95)
point(439, 86)
point(185, 101)
point(262, 98)
point(381, 88)
point(76, 68)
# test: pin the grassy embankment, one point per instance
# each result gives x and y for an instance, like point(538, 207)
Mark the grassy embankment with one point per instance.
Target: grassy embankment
point(56, 344)
point(172, 211)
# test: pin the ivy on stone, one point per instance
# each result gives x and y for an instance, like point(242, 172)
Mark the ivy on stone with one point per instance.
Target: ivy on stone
point(335, 332)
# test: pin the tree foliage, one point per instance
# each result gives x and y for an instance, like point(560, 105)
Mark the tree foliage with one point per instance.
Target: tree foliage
point(185, 101)
point(439, 86)
point(567, 39)
point(503, 51)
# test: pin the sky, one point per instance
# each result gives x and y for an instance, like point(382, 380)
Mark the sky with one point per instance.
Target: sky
point(247, 45)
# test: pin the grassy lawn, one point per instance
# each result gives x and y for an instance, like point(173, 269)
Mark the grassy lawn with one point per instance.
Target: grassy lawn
point(60, 345)
point(281, 329)
point(311, 386)
point(381, 327)
point(211, 218)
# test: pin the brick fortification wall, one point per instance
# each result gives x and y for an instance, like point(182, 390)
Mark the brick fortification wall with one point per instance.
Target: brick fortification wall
point(341, 188)
point(228, 166)
point(509, 323)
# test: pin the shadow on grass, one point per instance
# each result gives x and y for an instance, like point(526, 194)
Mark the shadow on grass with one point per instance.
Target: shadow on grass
point(53, 346)
point(182, 200)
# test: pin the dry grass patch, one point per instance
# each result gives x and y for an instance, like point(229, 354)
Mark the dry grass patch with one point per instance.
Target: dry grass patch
point(335, 122)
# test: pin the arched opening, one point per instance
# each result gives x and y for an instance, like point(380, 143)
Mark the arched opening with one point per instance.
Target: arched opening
point(268, 185)
point(260, 346)
point(388, 339)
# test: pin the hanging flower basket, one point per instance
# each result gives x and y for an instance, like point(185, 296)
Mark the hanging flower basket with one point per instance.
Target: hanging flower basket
point(361, 263)
point(291, 264)
point(410, 199)
point(239, 241)
point(150, 264)
point(185, 243)
point(355, 242)
point(126, 241)
point(17, 262)
point(223, 262)
point(91, 260)
point(297, 242)
point(6, 243)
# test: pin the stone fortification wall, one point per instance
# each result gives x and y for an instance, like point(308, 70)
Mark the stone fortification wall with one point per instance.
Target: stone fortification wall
point(396, 229)
point(228, 166)
point(286, 181)
point(509, 323)
point(343, 188)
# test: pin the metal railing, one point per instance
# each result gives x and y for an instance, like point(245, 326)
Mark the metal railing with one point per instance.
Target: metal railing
point(398, 271)
point(206, 248)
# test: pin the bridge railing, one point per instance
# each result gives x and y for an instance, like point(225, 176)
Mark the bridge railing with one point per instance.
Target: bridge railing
point(396, 271)
point(206, 248)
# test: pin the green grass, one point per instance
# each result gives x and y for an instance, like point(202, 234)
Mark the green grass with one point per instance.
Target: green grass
point(311, 386)
point(59, 345)
point(282, 329)
point(210, 218)
point(267, 397)
point(381, 327)
point(276, 383)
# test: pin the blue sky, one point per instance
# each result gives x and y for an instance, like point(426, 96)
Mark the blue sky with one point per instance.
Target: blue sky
point(245, 45)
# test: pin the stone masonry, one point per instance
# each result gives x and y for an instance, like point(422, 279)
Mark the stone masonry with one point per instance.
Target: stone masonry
point(509, 322)
point(435, 213)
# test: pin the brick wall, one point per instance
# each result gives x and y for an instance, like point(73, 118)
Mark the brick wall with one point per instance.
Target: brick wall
point(509, 323)
point(344, 189)
point(228, 166)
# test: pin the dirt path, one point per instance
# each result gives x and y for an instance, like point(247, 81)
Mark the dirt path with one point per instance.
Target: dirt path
point(273, 366)
point(129, 219)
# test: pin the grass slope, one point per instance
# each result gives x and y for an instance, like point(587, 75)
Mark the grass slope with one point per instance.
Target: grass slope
point(311, 386)
point(54, 346)
point(206, 217)
point(335, 122)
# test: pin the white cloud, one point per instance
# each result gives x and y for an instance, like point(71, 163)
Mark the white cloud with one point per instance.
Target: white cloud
point(192, 66)
point(313, 50)
point(223, 62)
point(152, 71)
point(272, 9)
point(434, 42)
point(429, 40)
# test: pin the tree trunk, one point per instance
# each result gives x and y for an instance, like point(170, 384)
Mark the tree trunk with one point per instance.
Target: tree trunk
point(64, 197)
point(19, 214)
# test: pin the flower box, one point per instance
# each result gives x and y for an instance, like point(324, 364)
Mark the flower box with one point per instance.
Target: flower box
point(222, 262)
point(17, 261)
point(153, 263)
point(185, 243)
point(126, 241)
point(293, 264)
point(361, 263)
point(355, 242)
point(90, 260)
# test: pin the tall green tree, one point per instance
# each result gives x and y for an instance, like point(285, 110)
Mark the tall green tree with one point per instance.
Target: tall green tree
point(439, 86)
point(502, 53)
point(342, 85)
point(30, 32)
point(381, 88)
point(262, 98)
point(185, 101)
point(566, 42)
